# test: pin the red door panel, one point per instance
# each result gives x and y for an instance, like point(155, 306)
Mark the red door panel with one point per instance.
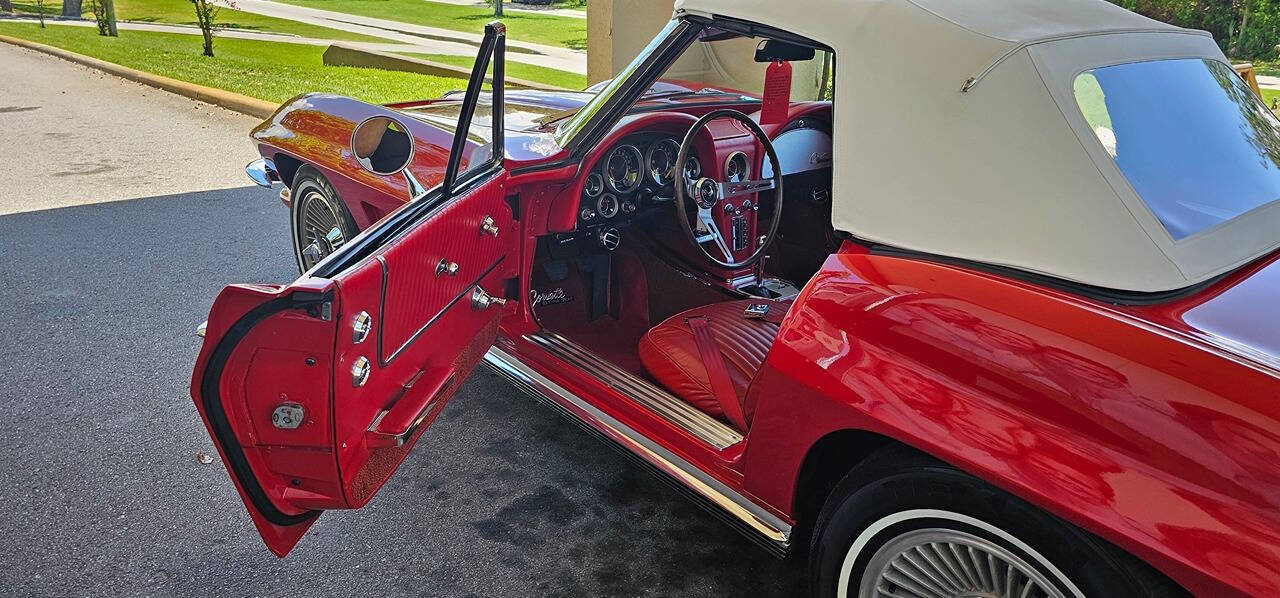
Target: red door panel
point(297, 429)
point(427, 336)
point(422, 275)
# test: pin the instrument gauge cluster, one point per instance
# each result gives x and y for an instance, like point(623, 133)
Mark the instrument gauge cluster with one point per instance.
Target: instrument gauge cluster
point(633, 178)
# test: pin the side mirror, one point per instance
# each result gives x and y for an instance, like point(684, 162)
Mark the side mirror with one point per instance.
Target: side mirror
point(382, 145)
point(772, 50)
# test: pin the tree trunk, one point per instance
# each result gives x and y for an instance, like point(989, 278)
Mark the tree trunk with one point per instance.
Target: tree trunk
point(6, 6)
point(110, 7)
point(497, 8)
point(72, 8)
point(1239, 36)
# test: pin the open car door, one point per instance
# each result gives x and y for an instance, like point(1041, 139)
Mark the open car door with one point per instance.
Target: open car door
point(314, 392)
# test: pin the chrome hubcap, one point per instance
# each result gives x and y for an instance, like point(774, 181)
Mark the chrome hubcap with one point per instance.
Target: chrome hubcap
point(319, 231)
point(944, 563)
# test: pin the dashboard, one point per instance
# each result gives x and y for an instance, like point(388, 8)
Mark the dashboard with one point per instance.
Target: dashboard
point(636, 175)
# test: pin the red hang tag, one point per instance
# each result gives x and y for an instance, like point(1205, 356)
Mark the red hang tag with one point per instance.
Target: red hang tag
point(777, 93)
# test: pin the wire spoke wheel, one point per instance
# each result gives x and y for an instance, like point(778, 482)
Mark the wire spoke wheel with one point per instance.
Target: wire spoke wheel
point(947, 563)
point(320, 229)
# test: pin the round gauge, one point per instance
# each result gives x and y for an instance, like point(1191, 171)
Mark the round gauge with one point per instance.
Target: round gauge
point(594, 185)
point(692, 169)
point(622, 169)
point(607, 206)
point(661, 160)
point(736, 168)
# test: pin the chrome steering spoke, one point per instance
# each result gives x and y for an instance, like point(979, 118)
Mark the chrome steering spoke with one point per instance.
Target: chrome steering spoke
point(708, 231)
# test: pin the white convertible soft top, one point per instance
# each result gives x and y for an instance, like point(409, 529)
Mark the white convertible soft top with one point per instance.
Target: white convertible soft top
point(957, 133)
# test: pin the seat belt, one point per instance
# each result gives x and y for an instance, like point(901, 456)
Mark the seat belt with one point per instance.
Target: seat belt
point(717, 372)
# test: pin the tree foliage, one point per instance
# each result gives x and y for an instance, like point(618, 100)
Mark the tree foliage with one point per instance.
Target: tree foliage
point(1247, 29)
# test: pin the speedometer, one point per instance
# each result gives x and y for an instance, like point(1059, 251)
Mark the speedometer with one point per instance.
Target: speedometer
point(661, 160)
point(622, 169)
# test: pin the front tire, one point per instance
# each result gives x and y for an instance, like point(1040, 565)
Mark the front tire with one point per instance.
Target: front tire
point(904, 525)
point(320, 219)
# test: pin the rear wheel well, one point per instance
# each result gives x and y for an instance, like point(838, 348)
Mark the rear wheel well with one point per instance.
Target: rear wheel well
point(828, 461)
point(288, 167)
point(831, 459)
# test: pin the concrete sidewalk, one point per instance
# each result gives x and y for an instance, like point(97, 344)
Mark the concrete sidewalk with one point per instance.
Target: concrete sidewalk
point(434, 39)
point(419, 45)
point(508, 5)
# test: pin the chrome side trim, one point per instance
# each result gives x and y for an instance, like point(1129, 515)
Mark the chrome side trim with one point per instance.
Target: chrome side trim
point(687, 417)
point(762, 523)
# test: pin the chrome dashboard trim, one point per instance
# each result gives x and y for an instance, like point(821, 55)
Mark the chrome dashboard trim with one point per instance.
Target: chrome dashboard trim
point(765, 526)
point(672, 408)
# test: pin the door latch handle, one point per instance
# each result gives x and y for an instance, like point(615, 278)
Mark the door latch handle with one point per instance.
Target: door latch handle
point(487, 227)
point(446, 267)
point(480, 300)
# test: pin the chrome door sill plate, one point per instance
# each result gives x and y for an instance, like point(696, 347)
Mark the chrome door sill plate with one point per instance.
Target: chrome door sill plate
point(759, 524)
point(670, 407)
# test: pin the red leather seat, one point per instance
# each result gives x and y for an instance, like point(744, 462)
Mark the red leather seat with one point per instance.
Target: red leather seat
point(670, 354)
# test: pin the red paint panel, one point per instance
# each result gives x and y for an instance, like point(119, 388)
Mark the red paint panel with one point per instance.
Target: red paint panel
point(230, 386)
point(1162, 445)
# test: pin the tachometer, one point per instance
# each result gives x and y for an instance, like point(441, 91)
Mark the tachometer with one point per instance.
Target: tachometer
point(692, 169)
point(622, 169)
point(661, 160)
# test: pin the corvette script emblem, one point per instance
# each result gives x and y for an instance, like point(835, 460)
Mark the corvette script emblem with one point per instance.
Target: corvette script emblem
point(554, 297)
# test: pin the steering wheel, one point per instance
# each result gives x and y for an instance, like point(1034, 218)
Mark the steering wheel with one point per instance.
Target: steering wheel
point(713, 200)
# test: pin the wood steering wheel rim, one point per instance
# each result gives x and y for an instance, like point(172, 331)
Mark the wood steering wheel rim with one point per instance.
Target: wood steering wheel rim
point(681, 195)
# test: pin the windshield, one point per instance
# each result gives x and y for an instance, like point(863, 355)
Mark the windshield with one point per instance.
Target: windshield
point(1194, 141)
point(570, 127)
point(718, 62)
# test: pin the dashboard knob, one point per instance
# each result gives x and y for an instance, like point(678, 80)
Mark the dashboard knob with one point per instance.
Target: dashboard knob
point(609, 238)
point(628, 207)
point(587, 214)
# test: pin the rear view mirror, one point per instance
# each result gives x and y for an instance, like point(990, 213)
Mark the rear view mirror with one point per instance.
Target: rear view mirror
point(772, 50)
point(382, 146)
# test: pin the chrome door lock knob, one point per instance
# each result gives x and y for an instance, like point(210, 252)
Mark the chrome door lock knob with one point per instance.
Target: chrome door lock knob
point(487, 227)
point(481, 300)
point(360, 371)
point(360, 327)
point(446, 267)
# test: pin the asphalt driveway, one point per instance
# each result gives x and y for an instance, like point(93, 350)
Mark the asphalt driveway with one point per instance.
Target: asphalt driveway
point(100, 489)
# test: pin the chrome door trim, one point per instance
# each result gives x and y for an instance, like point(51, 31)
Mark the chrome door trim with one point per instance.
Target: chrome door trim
point(766, 525)
point(672, 408)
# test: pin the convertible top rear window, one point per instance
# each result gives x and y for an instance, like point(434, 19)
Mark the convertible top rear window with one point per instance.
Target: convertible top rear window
point(1192, 138)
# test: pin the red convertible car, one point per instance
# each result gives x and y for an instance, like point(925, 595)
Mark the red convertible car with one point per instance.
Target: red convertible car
point(952, 298)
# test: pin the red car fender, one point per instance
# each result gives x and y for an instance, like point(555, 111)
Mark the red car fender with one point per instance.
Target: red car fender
point(1131, 434)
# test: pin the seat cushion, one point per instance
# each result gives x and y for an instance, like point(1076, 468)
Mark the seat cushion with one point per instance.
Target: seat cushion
point(670, 354)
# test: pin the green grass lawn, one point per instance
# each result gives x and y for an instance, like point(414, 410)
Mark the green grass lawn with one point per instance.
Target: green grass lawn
point(181, 12)
point(540, 74)
point(568, 32)
point(268, 70)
